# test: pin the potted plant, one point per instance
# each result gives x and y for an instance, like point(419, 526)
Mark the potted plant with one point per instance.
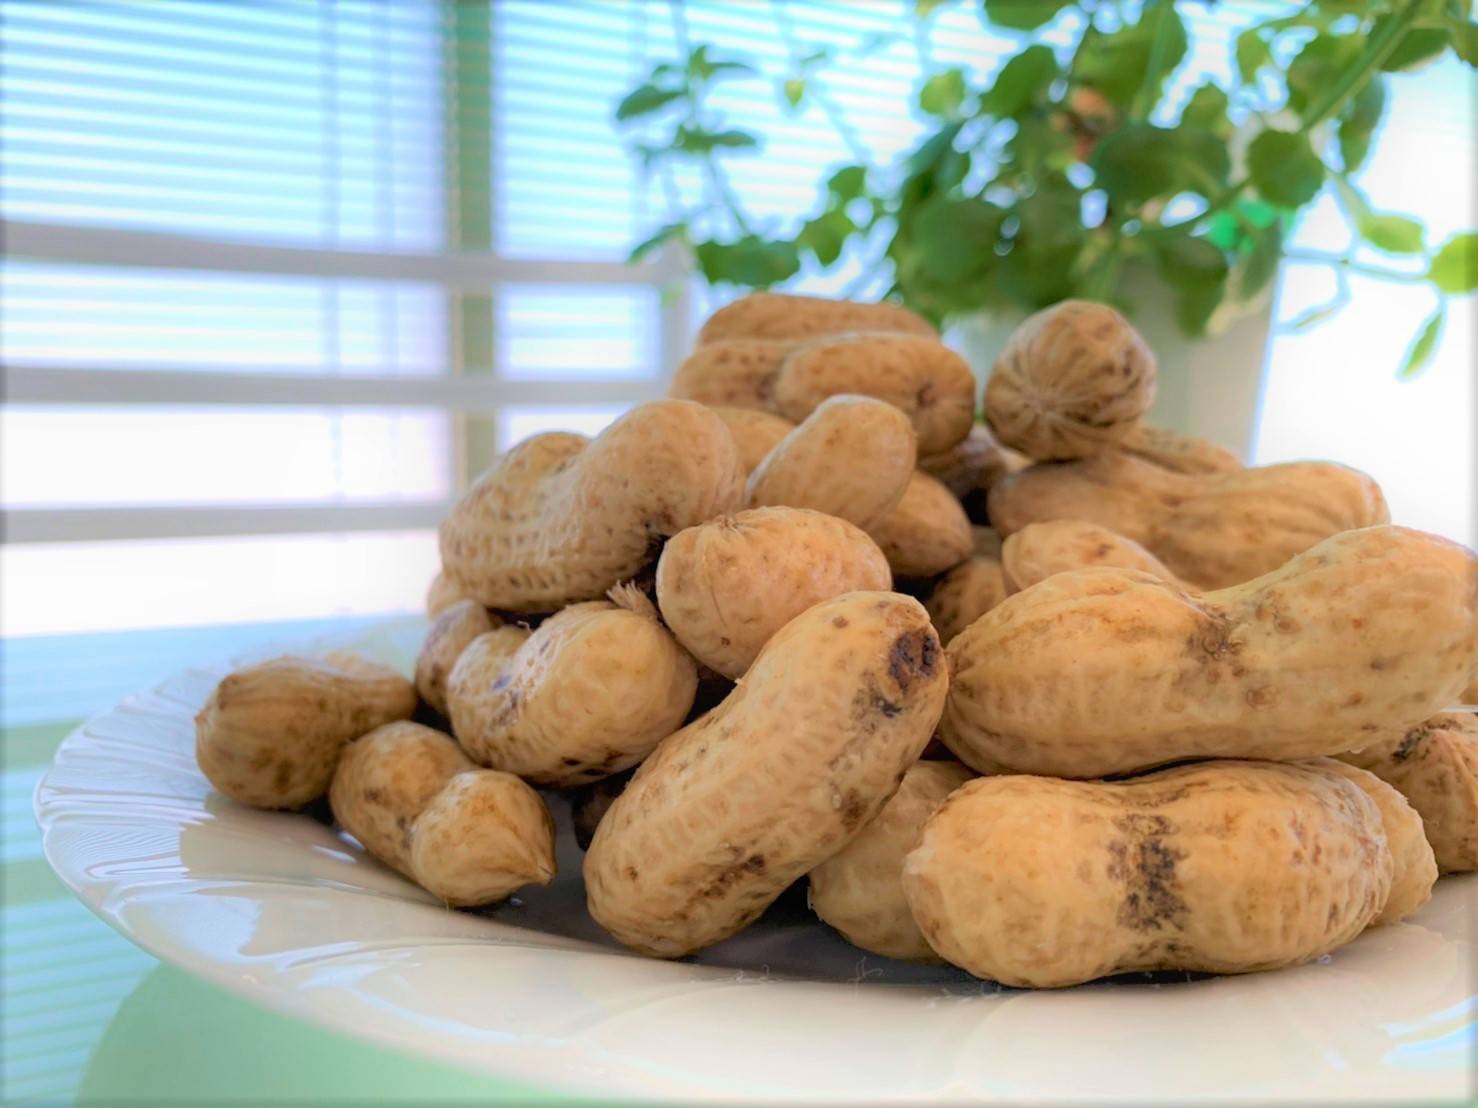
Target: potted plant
point(1073, 171)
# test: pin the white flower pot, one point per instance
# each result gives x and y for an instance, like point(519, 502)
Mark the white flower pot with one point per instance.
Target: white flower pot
point(1210, 387)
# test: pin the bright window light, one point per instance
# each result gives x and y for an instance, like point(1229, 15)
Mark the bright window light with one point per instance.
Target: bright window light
point(57, 588)
point(517, 423)
point(1333, 391)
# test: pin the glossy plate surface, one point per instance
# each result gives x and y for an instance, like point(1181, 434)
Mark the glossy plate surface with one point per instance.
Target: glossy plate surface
point(283, 910)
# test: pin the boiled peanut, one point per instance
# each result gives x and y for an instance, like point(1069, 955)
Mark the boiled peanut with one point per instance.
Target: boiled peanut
point(852, 458)
point(561, 518)
point(586, 695)
point(1178, 453)
point(442, 594)
point(1223, 867)
point(1435, 766)
point(467, 835)
point(270, 734)
point(449, 635)
point(784, 773)
point(755, 433)
point(926, 532)
point(973, 464)
point(859, 890)
point(733, 373)
point(1415, 868)
point(589, 804)
point(726, 586)
point(1210, 531)
point(1039, 550)
point(970, 589)
point(776, 315)
point(917, 374)
point(1103, 671)
point(1073, 378)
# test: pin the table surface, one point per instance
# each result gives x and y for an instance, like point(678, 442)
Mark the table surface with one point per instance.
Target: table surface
point(86, 1016)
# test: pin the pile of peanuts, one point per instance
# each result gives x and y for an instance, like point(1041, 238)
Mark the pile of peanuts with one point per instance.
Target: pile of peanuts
point(1049, 696)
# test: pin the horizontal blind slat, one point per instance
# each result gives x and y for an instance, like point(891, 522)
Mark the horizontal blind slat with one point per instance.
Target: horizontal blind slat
point(105, 245)
point(66, 525)
point(233, 386)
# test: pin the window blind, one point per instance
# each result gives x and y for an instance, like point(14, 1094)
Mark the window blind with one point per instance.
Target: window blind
point(259, 281)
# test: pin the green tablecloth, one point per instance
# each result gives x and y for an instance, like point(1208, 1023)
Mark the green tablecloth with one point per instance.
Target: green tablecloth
point(86, 1016)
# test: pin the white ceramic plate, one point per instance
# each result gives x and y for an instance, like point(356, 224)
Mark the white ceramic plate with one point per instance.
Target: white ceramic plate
point(281, 909)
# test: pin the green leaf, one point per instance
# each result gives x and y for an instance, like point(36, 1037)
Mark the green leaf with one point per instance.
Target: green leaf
point(1284, 168)
point(1019, 82)
point(1425, 344)
point(1022, 15)
point(702, 67)
point(1117, 64)
point(749, 261)
point(1315, 315)
point(696, 140)
point(1465, 40)
point(1186, 259)
point(1140, 162)
point(1223, 229)
point(1037, 277)
point(847, 183)
point(645, 99)
point(934, 167)
point(1229, 228)
point(1262, 261)
point(1197, 303)
point(929, 152)
point(1052, 212)
point(654, 240)
point(730, 67)
point(924, 8)
point(1418, 46)
point(1038, 147)
point(827, 234)
point(956, 239)
point(1165, 31)
point(1045, 250)
point(1207, 109)
point(1395, 234)
point(1252, 54)
point(1455, 268)
point(950, 170)
point(793, 89)
point(1318, 65)
point(1360, 121)
point(943, 93)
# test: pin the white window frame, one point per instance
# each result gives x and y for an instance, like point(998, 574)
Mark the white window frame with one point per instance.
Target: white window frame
point(461, 393)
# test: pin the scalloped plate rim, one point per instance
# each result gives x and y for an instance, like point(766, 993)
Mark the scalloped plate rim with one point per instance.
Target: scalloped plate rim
point(590, 1073)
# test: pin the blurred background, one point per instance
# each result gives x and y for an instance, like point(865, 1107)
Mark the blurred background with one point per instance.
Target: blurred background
point(279, 278)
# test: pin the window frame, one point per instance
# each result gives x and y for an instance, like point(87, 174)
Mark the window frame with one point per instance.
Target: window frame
point(472, 389)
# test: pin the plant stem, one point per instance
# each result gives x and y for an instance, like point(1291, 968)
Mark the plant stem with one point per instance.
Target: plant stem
point(1106, 268)
point(720, 184)
point(1377, 50)
point(1365, 269)
point(1144, 98)
point(829, 108)
point(711, 168)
